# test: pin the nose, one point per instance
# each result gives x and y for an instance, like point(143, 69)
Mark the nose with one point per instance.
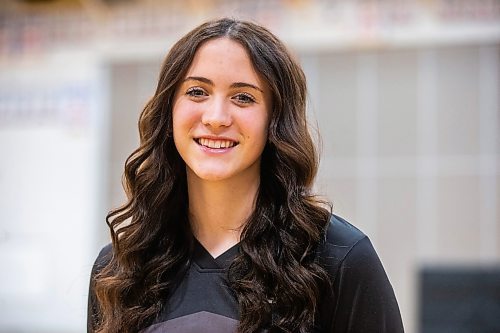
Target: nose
point(217, 114)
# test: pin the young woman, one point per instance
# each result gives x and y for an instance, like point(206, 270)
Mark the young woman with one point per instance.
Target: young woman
point(221, 232)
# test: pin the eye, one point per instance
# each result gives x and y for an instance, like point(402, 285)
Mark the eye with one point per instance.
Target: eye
point(244, 98)
point(196, 92)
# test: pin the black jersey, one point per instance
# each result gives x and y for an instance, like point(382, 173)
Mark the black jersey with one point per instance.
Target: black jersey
point(363, 299)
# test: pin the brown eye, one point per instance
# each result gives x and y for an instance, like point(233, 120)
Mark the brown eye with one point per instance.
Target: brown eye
point(196, 92)
point(244, 98)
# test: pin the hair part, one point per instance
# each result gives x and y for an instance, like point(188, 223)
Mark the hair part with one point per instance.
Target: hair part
point(152, 241)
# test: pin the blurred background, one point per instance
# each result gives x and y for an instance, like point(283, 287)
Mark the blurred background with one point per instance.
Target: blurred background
point(405, 95)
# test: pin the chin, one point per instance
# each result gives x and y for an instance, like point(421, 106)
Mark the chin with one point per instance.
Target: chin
point(211, 175)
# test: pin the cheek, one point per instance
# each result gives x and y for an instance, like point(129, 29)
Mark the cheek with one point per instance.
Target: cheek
point(257, 130)
point(183, 118)
point(180, 127)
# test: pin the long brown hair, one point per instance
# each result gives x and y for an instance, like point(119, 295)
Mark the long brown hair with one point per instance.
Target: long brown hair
point(276, 276)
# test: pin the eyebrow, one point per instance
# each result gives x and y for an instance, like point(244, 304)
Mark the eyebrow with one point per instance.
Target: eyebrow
point(233, 85)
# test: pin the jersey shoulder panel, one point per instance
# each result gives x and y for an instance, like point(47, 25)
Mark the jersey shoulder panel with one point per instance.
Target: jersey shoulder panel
point(104, 257)
point(340, 238)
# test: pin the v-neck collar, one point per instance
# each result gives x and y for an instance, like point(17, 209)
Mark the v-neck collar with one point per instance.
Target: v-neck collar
point(204, 259)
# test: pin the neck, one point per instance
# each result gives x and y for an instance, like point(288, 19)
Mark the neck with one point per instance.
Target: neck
point(218, 210)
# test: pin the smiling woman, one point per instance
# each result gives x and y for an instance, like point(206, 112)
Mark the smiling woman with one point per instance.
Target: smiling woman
point(221, 232)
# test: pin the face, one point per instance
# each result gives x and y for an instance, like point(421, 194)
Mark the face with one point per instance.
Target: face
point(221, 113)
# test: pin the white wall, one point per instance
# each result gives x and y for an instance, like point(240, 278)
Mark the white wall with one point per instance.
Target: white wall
point(49, 195)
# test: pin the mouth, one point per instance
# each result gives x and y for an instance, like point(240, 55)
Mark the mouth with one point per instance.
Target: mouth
point(216, 144)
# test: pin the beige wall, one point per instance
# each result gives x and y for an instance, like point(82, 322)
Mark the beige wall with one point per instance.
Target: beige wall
point(411, 147)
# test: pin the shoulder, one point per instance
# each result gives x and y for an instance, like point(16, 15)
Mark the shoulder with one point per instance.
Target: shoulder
point(105, 253)
point(103, 258)
point(340, 239)
point(346, 250)
point(363, 299)
point(341, 233)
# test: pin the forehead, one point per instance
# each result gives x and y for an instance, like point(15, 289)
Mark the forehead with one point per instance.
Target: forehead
point(224, 57)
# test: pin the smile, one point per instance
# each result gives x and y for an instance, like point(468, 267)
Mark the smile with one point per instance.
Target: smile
point(216, 144)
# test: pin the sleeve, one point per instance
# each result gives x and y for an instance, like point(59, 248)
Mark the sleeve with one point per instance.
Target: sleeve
point(93, 307)
point(364, 300)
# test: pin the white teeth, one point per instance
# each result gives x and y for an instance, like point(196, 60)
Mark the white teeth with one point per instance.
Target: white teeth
point(216, 144)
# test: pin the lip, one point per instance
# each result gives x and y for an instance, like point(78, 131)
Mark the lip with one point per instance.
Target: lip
point(215, 137)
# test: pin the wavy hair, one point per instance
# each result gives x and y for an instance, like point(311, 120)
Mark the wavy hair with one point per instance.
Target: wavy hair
point(276, 276)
